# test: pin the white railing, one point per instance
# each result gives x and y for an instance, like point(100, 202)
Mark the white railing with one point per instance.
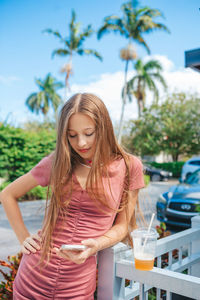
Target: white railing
point(116, 264)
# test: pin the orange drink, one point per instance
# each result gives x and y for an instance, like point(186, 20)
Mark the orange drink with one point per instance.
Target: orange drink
point(144, 262)
point(144, 243)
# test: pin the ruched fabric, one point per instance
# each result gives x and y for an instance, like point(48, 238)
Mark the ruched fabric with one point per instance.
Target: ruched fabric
point(60, 278)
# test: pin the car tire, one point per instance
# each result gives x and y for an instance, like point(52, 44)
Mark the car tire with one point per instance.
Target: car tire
point(155, 177)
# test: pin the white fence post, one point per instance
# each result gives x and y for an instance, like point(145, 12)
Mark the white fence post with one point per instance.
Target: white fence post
point(110, 287)
point(195, 269)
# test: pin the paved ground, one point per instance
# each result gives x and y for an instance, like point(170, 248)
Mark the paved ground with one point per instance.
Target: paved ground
point(33, 212)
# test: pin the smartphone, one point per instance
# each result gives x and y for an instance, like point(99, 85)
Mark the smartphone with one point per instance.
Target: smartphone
point(73, 247)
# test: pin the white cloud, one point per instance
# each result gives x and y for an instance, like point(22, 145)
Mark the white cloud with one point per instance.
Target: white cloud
point(108, 87)
point(8, 80)
point(186, 80)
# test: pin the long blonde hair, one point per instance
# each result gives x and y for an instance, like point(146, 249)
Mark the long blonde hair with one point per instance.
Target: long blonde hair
point(65, 159)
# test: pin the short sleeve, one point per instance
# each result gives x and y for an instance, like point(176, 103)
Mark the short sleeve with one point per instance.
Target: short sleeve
point(136, 173)
point(42, 171)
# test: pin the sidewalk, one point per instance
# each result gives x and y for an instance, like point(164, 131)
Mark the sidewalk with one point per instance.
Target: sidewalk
point(32, 212)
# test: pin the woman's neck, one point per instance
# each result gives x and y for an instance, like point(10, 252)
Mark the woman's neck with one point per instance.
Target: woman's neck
point(86, 163)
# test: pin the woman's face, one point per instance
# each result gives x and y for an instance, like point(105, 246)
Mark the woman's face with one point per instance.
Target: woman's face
point(82, 135)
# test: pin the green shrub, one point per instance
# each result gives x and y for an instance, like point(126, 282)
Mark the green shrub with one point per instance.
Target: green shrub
point(174, 167)
point(4, 184)
point(21, 150)
point(37, 193)
point(146, 179)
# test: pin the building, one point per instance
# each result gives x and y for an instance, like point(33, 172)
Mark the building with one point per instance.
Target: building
point(192, 59)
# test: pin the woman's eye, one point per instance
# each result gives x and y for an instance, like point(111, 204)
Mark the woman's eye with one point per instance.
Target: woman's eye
point(72, 136)
point(89, 134)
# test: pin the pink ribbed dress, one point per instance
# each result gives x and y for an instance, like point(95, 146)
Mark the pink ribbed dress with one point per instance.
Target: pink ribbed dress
point(62, 279)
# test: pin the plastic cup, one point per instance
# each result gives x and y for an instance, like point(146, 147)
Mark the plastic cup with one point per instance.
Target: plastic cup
point(144, 247)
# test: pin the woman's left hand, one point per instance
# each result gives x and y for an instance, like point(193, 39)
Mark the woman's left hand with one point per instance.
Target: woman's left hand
point(79, 257)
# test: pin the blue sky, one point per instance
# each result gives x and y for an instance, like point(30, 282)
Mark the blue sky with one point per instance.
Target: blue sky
point(26, 51)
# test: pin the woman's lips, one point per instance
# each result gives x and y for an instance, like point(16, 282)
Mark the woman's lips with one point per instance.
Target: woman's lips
point(83, 150)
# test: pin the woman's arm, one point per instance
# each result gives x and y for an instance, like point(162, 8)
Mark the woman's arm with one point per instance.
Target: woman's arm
point(8, 198)
point(119, 230)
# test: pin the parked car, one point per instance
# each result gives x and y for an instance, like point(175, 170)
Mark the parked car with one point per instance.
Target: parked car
point(156, 174)
point(189, 167)
point(180, 203)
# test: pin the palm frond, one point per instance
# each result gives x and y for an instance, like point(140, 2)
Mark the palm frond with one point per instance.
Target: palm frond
point(139, 65)
point(55, 33)
point(56, 101)
point(73, 19)
point(60, 52)
point(153, 64)
point(160, 79)
point(58, 85)
point(111, 23)
point(40, 83)
point(129, 94)
point(90, 52)
point(152, 87)
point(152, 12)
point(142, 42)
point(163, 27)
point(131, 87)
point(86, 32)
point(67, 43)
point(30, 101)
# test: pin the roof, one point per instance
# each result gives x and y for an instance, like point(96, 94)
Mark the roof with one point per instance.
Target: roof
point(192, 59)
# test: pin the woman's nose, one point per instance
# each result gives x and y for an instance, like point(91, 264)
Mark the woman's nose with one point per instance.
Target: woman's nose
point(81, 142)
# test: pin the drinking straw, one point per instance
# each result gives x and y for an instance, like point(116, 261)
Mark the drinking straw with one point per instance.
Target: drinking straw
point(149, 228)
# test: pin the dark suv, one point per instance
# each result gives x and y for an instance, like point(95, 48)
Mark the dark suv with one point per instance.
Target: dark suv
point(180, 203)
point(156, 174)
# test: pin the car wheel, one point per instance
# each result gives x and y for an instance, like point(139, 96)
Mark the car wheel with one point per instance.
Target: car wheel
point(155, 177)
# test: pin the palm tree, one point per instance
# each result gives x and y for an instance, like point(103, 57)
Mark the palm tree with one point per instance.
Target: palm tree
point(46, 97)
point(73, 44)
point(134, 22)
point(146, 76)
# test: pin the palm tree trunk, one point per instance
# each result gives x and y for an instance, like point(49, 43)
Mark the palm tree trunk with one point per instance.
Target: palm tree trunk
point(68, 73)
point(140, 107)
point(123, 104)
point(65, 94)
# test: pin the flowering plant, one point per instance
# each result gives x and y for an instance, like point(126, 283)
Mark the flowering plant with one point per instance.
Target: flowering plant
point(6, 286)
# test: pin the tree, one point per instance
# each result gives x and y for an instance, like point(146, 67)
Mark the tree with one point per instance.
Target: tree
point(144, 135)
point(147, 74)
point(180, 119)
point(172, 127)
point(134, 23)
point(46, 97)
point(73, 44)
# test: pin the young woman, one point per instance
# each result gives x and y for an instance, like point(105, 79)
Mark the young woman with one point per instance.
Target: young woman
point(94, 188)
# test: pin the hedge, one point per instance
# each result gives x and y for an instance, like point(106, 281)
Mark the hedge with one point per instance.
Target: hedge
point(21, 150)
point(37, 193)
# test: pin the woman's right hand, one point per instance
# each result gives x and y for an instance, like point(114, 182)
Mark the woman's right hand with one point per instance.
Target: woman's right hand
point(31, 244)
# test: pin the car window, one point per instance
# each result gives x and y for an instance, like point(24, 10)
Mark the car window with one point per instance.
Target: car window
point(195, 162)
point(194, 178)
